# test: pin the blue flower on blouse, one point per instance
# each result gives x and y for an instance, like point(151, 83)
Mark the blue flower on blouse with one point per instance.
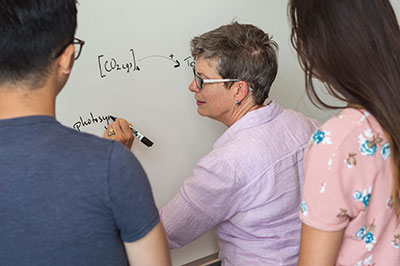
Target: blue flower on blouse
point(361, 233)
point(368, 238)
point(366, 150)
point(357, 195)
point(364, 235)
point(303, 208)
point(385, 151)
point(318, 136)
point(363, 197)
point(365, 200)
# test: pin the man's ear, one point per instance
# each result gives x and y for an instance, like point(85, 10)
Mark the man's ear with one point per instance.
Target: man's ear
point(66, 60)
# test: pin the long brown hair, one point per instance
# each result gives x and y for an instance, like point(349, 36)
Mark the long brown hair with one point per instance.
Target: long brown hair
point(353, 46)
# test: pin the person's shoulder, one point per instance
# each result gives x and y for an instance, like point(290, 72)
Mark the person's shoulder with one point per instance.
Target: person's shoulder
point(291, 131)
point(346, 117)
point(343, 131)
point(344, 124)
point(299, 120)
point(86, 143)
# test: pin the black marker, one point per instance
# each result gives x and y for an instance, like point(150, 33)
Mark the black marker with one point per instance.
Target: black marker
point(137, 134)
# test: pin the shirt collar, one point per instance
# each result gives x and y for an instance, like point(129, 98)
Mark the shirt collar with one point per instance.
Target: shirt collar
point(249, 120)
point(25, 120)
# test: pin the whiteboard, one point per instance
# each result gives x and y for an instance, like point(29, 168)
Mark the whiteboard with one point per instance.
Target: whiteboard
point(136, 65)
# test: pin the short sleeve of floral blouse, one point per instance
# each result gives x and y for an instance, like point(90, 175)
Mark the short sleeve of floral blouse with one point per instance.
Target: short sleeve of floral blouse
point(340, 167)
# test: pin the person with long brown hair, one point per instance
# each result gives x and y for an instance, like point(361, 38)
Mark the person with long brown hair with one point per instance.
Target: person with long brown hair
point(351, 196)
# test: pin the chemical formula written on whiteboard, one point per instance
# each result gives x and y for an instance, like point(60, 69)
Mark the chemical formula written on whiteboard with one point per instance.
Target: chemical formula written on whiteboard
point(108, 65)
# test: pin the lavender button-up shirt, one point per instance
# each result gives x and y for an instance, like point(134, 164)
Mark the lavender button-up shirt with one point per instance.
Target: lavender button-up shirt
point(248, 189)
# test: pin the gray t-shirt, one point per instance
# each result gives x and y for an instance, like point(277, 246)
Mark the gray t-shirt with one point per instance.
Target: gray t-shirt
point(68, 198)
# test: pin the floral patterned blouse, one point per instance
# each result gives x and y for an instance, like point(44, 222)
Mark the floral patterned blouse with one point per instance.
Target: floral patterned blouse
point(348, 185)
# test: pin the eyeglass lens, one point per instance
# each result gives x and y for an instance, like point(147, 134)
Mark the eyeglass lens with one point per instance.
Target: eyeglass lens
point(197, 79)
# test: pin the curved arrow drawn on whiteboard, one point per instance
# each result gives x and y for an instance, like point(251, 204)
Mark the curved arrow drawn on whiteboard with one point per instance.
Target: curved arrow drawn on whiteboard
point(170, 58)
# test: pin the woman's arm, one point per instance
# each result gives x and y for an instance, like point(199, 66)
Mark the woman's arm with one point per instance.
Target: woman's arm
point(210, 196)
point(319, 247)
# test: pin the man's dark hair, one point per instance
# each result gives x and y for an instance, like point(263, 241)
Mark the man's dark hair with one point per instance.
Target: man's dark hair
point(32, 33)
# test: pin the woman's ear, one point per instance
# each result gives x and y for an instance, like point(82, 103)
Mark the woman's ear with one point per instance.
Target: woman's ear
point(241, 91)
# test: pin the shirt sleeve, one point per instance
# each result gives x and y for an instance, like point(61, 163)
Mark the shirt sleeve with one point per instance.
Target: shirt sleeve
point(332, 180)
point(207, 198)
point(130, 195)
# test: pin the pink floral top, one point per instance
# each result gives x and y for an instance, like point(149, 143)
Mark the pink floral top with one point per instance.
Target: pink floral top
point(348, 185)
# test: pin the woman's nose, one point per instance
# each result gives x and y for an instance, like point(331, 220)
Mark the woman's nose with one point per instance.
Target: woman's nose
point(193, 87)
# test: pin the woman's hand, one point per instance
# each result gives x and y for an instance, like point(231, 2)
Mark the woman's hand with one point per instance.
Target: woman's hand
point(120, 131)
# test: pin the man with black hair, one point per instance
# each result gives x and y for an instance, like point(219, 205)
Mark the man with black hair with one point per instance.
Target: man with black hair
point(66, 198)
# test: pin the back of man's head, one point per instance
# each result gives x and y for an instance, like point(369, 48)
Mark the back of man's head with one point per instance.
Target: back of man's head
point(33, 33)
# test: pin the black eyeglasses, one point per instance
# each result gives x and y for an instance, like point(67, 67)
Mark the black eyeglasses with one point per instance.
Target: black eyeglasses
point(199, 81)
point(78, 47)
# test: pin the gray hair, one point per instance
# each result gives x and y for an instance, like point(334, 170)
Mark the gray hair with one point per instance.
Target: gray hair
point(243, 52)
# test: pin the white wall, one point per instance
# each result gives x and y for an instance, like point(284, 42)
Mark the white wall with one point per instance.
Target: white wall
point(156, 99)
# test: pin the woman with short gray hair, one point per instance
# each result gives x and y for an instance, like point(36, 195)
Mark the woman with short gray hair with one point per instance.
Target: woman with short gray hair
point(248, 187)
